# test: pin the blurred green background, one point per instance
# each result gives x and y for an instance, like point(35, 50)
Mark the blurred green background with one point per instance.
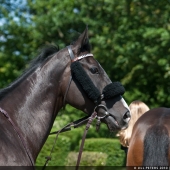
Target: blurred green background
point(130, 39)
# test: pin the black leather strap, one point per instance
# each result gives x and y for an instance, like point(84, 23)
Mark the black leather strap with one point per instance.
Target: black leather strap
point(91, 118)
point(74, 124)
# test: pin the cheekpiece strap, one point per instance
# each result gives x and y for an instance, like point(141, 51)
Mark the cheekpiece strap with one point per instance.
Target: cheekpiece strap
point(70, 52)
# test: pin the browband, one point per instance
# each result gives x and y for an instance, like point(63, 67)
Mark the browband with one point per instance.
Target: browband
point(73, 58)
point(83, 56)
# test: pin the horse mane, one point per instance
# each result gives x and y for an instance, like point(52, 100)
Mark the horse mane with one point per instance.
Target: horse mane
point(45, 53)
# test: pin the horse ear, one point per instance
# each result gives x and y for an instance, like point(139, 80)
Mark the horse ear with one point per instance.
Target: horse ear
point(82, 44)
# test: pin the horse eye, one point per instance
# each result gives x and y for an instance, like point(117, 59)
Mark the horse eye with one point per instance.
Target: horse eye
point(94, 70)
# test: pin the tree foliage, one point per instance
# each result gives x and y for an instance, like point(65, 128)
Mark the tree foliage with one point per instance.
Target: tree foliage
point(130, 38)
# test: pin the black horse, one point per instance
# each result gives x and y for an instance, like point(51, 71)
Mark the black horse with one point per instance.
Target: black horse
point(28, 106)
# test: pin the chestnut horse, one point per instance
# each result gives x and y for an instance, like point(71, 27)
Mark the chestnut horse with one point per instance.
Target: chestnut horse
point(29, 106)
point(149, 144)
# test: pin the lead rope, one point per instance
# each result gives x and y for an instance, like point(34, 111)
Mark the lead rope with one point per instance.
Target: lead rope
point(92, 117)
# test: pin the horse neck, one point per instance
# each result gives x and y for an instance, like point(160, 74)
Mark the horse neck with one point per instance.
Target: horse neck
point(34, 103)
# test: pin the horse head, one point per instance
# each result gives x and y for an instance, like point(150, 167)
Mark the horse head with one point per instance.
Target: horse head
point(87, 86)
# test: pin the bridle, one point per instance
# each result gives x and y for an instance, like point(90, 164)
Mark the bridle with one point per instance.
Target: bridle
point(111, 90)
point(77, 70)
point(73, 59)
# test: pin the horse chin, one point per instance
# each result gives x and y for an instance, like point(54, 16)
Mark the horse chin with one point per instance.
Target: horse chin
point(112, 124)
point(124, 127)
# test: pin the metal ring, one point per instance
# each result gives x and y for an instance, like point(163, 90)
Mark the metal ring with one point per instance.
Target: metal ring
point(106, 113)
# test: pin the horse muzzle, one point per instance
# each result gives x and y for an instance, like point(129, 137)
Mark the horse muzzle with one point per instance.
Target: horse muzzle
point(113, 122)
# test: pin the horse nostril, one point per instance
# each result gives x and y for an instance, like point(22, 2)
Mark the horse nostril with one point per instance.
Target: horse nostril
point(126, 117)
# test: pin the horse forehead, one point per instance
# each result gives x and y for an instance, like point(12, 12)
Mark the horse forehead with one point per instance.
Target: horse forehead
point(91, 60)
